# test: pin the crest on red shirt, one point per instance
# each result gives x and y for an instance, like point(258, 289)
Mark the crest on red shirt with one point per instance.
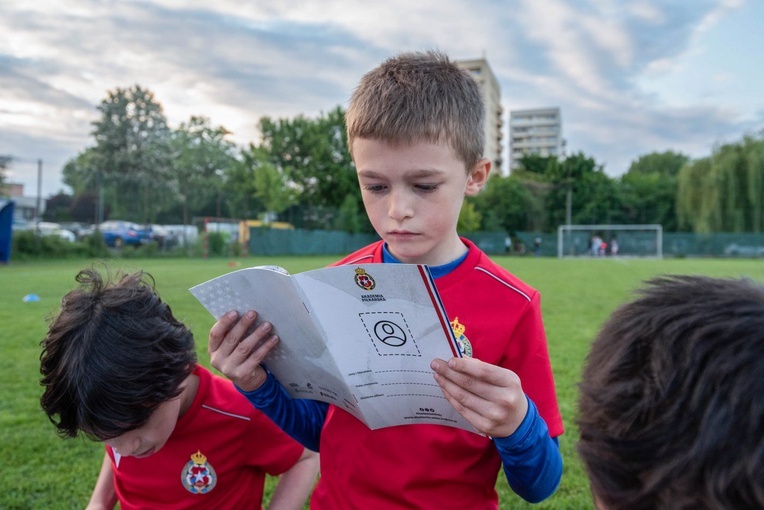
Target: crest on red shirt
point(461, 340)
point(197, 476)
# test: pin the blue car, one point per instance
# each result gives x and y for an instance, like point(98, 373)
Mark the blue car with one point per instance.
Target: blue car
point(117, 234)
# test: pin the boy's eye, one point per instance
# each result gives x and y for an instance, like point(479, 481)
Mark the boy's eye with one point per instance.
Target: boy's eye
point(426, 188)
point(374, 188)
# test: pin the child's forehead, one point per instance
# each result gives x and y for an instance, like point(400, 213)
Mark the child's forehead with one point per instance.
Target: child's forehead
point(423, 147)
point(380, 156)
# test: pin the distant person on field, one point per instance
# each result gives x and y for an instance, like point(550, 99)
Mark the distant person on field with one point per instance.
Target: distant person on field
point(671, 411)
point(416, 133)
point(118, 367)
point(614, 247)
point(596, 245)
point(537, 246)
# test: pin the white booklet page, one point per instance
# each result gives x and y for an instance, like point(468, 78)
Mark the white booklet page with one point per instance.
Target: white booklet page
point(360, 337)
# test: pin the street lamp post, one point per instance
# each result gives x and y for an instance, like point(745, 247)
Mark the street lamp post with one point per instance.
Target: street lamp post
point(39, 192)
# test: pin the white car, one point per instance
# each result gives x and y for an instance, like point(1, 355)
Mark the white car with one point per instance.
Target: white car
point(46, 228)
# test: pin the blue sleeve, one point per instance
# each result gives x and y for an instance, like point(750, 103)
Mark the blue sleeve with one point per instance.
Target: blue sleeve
point(302, 419)
point(532, 460)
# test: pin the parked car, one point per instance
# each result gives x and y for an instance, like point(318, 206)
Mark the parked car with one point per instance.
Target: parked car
point(164, 237)
point(117, 233)
point(47, 228)
point(80, 229)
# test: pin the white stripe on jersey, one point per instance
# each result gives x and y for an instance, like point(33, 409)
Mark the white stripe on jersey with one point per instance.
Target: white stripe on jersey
point(486, 271)
point(226, 413)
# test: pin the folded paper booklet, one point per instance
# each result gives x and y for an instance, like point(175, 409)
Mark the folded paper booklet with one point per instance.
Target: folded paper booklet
point(360, 337)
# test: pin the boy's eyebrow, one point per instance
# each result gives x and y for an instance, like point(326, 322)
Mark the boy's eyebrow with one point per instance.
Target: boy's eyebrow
point(420, 172)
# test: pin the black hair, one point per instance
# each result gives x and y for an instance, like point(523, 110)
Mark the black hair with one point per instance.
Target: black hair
point(111, 356)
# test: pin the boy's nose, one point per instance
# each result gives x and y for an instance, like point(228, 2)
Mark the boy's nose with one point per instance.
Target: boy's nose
point(399, 207)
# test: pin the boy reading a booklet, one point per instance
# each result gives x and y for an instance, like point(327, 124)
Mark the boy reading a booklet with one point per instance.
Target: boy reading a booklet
point(120, 368)
point(415, 131)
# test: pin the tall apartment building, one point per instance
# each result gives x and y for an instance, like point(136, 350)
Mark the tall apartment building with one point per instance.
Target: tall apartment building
point(536, 131)
point(494, 123)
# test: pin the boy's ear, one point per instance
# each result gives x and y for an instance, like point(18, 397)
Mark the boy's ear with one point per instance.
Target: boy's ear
point(478, 177)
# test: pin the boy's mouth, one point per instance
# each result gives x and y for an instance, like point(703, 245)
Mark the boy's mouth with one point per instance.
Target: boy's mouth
point(401, 233)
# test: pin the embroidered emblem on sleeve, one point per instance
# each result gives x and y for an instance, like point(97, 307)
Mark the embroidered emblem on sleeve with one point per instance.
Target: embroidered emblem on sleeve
point(462, 341)
point(197, 476)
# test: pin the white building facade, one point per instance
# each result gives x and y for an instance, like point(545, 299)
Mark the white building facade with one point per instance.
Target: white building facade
point(535, 131)
point(494, 123)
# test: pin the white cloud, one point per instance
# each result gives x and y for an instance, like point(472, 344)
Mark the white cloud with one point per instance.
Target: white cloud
point(609, 64)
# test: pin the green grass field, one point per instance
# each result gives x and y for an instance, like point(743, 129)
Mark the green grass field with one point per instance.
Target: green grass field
point(40, 470)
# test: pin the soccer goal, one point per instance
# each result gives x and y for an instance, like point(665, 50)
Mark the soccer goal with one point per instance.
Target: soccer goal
point(610, 240)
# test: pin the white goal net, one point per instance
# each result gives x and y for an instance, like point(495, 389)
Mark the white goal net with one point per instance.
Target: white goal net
point(610, 241)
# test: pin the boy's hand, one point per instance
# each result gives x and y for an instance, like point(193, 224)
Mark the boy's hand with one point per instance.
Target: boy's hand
point(238, 355)
point(491, 398)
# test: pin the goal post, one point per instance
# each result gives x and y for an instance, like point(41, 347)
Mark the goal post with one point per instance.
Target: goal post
point(630, 240)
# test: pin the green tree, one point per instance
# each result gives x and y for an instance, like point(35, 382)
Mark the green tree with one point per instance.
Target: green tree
point(754, 154)
point(725, 192)
point(508, 204)
point(201, 158)
point(538, 165)
point(696, 197)
point(594, 195)
point(58, 208)
point(85, 207)
point(271, 189)
point(81, 172)
point(312, 156)
point(239, 185)
point(132, 153)
point(350, 218)
point(649, 189)
point(469, 219)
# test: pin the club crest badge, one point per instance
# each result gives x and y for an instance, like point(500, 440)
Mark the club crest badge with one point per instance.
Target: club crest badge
point(197, 476)
point(462, 341)
point(364, 279)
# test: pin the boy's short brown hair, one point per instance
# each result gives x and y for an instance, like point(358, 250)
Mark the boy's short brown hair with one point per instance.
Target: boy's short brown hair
point(671, 411)
point(419, 97)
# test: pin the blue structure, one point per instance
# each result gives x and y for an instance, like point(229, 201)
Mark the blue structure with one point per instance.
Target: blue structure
point(6, 230)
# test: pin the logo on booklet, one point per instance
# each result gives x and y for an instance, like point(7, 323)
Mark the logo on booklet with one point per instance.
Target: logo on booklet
point(364, 279)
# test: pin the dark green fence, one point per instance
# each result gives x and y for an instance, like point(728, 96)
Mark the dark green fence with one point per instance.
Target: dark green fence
point(643, 243)
point(273, 241)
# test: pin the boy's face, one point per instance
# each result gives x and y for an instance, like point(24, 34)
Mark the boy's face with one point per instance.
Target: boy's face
point(151, 437)
point(413, 194)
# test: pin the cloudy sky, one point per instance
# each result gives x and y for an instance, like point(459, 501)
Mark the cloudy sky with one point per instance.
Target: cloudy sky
point(631, 76)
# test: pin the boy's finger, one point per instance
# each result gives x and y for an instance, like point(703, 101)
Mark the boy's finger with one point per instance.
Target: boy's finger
point(248, 374)
point(219, 330)
point(237, 347)
point(477, 384)
point(468, 369)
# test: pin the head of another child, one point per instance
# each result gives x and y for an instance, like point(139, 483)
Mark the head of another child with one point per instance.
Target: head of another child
point(671, 411)
point(415, 127)
point(114, 362)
